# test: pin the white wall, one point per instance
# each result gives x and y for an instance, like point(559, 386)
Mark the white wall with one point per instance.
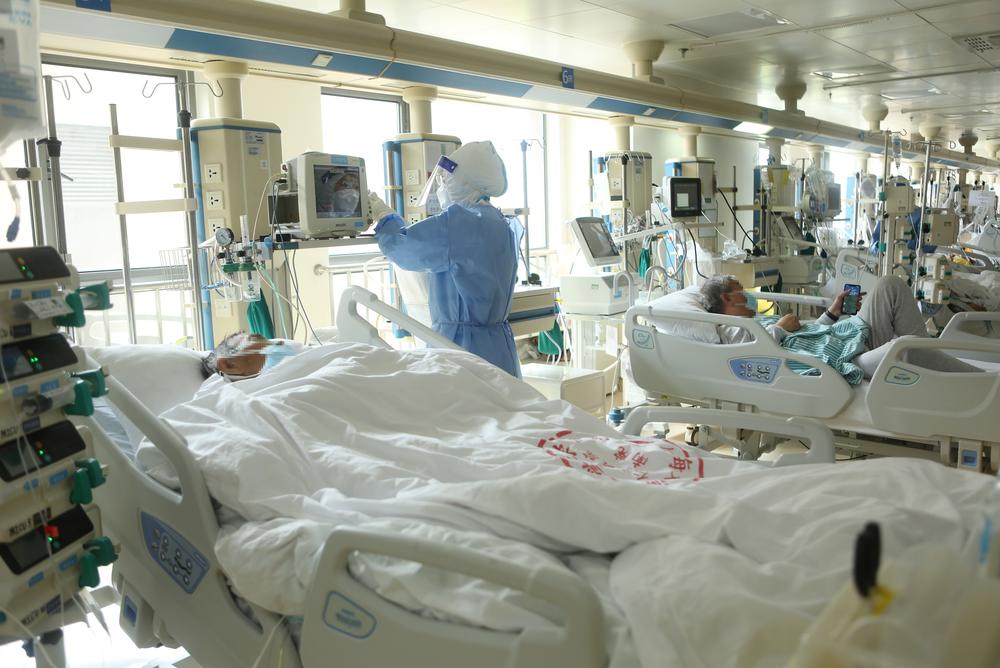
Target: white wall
point(570, 141)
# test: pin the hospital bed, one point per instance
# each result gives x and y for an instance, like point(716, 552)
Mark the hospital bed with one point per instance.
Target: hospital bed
point(174, 592)
point(905, 410)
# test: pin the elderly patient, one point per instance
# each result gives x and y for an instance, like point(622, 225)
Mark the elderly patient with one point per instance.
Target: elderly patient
point(241, 355)
point(855, 345)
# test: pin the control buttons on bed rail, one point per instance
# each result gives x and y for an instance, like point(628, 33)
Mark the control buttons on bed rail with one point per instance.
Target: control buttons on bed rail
point(175, 555)
point(756, 369)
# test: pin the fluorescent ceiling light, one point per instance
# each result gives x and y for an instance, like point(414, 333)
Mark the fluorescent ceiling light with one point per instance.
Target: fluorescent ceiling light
point(753, 128)
point(834, 76)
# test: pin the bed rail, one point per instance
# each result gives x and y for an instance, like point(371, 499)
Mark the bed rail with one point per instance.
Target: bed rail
point(157, 604)
point(818, 437)
point(346, 620)
point(755, 373)
point(351, 326)
point(908, 399)
point(956, 330)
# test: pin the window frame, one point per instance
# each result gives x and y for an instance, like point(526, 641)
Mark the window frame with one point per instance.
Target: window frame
point(147, 275)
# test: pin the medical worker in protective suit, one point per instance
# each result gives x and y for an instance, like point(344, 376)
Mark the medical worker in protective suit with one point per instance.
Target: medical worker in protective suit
point(469, 249)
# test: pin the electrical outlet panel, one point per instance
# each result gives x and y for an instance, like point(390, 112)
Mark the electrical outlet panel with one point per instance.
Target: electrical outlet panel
point(412, 177)
point(213, 173)
point(213, 200)
point(412, 199)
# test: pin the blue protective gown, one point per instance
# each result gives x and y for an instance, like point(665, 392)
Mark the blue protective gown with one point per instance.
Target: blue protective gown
point(471, 253)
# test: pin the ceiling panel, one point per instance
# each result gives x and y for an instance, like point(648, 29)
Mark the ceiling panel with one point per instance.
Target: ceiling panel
point(523, 10)
point(959, 59)
point(961, 10)
point(975, 25)
point(670, 11)
point(920, 4)
point(808, 14)
point(603, 25)
point(875, 27)
point(923, 49)
point(890, 38)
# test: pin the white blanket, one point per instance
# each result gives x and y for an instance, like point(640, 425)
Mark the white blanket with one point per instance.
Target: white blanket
point(441, 444)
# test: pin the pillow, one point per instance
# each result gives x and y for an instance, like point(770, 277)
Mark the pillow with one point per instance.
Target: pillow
point(160, 376)
point(687, 300)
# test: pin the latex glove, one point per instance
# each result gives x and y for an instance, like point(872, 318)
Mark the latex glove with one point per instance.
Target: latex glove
point(377, 207)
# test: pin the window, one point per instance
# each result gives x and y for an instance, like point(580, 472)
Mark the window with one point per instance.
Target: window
point(359, 126)
point(506, 127)
point(89, 189)
point(162, 310)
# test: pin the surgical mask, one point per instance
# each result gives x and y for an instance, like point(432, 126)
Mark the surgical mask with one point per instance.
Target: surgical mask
point(232, 377)
point(751, 300)
point(346, 201)
point(276, 353)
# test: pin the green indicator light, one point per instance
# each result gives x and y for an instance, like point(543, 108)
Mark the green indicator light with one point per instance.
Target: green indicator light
point(50, 539)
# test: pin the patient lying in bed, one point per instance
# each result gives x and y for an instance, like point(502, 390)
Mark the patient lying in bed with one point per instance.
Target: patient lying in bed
point(855, 345)
point(240, 356)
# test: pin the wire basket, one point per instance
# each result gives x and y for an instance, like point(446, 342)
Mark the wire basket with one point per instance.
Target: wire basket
point(176, 264)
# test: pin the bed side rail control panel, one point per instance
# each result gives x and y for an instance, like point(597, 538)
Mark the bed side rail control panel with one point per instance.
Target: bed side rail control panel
point(51, 543)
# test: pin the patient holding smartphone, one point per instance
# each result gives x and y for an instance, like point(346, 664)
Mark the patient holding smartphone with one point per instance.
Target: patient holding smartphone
point(852, 336)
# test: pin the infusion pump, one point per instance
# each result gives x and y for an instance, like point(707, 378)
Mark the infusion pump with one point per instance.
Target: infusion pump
point(51, 543)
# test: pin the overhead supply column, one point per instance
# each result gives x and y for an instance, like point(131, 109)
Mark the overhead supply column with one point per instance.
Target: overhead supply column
point(50, 537)
point(236, 162)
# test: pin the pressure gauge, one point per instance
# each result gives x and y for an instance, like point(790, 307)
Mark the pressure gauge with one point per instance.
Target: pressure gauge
point(224, 236)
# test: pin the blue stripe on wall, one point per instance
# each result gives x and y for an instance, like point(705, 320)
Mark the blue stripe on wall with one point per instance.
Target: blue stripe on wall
point(448, 79)
point(250, 49)
point(619, 106)
point(702, 119)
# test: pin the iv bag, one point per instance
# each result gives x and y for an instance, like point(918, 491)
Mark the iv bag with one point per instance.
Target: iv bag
point(20, 72)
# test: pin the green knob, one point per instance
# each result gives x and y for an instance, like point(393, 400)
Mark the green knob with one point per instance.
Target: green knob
point(76, 318)
point(81, 493)
point(95, 380)
point(102, 550)
point(89, 577)
point(97, 296)
point(83, 402)
point(93, 468)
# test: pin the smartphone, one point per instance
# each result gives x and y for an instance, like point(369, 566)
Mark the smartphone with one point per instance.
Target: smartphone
point(851, 300)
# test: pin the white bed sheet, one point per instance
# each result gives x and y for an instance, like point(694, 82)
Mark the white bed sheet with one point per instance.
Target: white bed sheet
point(327, 439)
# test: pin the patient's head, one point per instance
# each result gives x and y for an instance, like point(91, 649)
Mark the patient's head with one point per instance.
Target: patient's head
point(237, 356)
point(724, 295)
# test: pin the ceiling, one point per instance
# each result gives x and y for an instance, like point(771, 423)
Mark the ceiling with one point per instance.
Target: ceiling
point(903, 51)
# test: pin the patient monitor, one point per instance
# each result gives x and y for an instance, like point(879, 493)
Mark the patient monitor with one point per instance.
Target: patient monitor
point(594, 295)
point(327, 195)
point(595, 241)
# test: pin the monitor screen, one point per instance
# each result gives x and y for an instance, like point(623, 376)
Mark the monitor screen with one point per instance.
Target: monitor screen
point(685, 196)
point(338, 191)
point(598, 239)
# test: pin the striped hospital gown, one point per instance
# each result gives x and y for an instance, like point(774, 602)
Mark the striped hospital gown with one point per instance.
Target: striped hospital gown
point(837, 345)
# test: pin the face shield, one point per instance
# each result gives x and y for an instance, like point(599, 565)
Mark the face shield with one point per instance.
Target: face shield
point(445, 166)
